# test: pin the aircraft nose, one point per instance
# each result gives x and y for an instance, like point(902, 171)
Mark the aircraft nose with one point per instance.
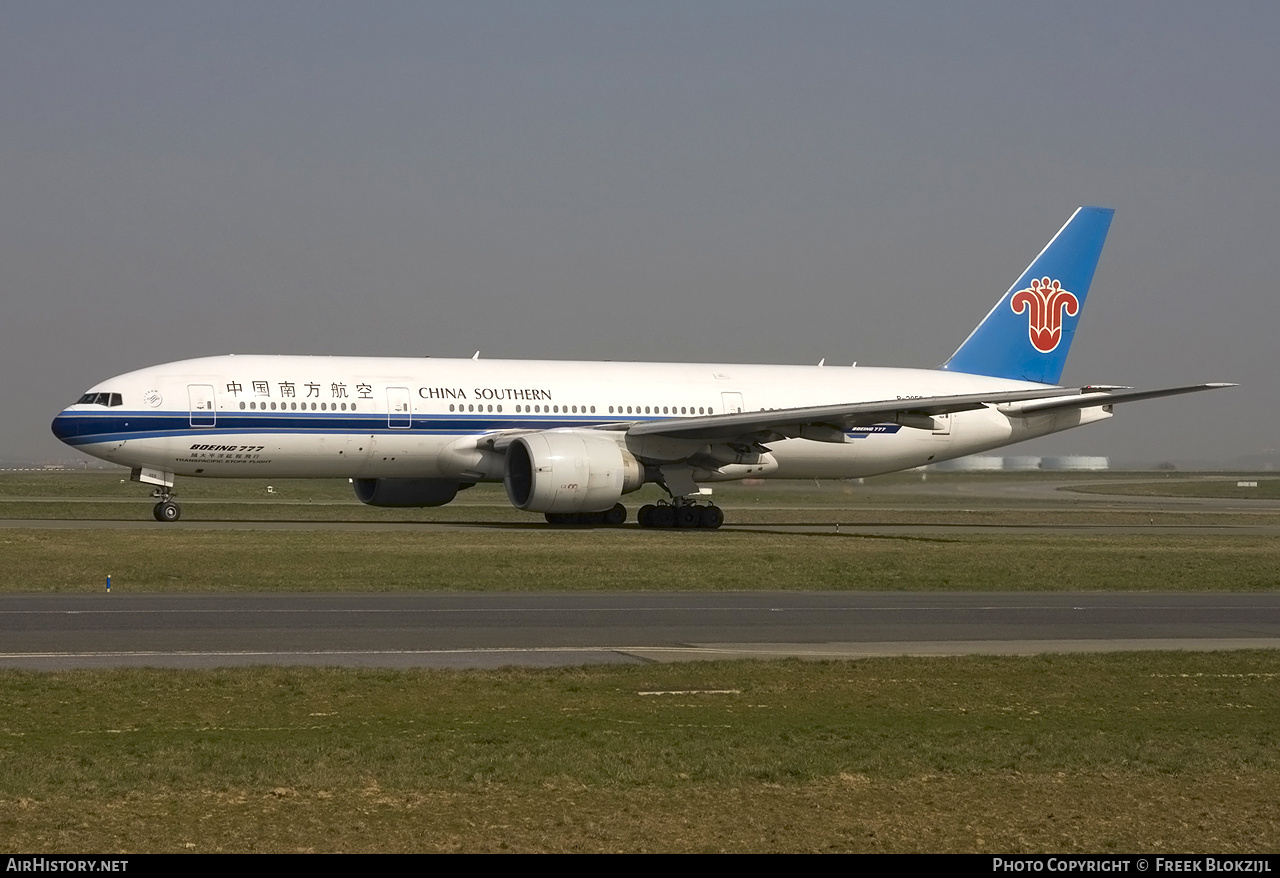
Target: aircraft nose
point(65, 426)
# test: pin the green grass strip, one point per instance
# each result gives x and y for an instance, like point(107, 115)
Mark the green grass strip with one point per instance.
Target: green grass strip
point(158, 560)
point(1153, 751)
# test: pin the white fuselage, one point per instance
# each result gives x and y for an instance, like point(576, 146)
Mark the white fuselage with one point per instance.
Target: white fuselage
point(383, 417)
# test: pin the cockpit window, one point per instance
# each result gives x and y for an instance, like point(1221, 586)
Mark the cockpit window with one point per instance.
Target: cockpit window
point(107, 399)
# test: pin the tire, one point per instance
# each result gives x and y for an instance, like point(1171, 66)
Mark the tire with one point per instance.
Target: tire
point(710, 517)
point(615, 516)
point(662, 516)
point(645, 515)
point(168, 511)
point(688, 516)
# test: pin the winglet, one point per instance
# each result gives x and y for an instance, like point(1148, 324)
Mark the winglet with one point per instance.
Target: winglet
point(1028, 334)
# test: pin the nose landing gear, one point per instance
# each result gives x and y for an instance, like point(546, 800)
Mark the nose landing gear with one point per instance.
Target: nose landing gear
point(166, 509)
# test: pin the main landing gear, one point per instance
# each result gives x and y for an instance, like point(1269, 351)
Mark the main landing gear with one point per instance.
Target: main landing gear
point(166, 509)
point(681, 513)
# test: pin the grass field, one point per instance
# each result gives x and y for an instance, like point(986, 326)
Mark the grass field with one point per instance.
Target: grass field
point(1151, 752)
point(166, 560)
point(1159, 752)
point(1201, 486)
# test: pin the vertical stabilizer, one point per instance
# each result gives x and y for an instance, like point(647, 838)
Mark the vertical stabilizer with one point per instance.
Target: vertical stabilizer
point(1027, 335)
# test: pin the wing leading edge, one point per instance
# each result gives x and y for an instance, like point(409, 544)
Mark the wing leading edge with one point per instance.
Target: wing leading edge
point(829, 422)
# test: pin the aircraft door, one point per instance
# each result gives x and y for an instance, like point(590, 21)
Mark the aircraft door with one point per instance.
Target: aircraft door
point(732, 402)
point(399, 408)
point(203, 405)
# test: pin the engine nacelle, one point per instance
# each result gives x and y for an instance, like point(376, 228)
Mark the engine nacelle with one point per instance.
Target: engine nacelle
point(406, 492)
point(569, 472)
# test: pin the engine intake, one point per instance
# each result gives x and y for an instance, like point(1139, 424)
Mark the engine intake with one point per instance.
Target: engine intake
point(569, 472)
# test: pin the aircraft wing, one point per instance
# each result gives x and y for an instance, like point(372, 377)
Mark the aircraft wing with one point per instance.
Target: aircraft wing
point(828, 422)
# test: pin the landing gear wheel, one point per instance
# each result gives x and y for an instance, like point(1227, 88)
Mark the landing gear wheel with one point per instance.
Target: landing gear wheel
point(710, 517)
point(615, 516)
point(687, 516)
point(167, 510)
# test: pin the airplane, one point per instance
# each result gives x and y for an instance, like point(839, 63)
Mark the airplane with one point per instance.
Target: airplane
point(570, 439)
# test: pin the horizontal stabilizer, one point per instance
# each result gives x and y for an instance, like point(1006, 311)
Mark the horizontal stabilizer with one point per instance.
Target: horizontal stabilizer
point(1093, 397)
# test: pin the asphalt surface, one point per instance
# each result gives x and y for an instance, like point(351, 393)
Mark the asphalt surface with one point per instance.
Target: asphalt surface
point(486, 630)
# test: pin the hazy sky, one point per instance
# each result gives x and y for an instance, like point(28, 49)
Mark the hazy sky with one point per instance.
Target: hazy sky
point(736, 181)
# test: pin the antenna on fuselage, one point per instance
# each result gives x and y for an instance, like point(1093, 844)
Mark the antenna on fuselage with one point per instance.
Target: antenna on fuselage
point(476, 355)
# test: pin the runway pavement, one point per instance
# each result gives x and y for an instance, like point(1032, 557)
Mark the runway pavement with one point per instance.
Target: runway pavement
point(486, 630)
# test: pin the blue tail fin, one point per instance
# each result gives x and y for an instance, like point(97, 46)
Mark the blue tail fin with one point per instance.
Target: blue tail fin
point(1028, 333)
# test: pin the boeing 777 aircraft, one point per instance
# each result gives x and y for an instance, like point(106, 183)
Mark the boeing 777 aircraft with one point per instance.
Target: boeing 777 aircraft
point(569, 439)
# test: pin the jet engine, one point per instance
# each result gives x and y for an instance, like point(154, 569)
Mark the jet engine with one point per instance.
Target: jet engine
point(407, 492)
point(569, 471)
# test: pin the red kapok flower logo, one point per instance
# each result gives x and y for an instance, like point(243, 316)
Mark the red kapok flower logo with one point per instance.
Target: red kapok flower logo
point(1045, 301)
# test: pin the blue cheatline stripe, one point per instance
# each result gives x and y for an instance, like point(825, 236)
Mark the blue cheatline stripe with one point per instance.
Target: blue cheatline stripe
point(89, 429)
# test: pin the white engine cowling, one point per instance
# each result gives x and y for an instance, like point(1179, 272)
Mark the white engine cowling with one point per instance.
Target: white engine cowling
point(569, 472)
point(406, 492)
